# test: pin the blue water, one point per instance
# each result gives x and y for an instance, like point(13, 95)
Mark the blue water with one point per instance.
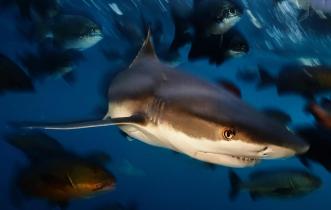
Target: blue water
point(164, 180)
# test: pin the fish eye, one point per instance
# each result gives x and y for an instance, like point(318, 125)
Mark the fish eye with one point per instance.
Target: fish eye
point(229, 134)
point(98, 185)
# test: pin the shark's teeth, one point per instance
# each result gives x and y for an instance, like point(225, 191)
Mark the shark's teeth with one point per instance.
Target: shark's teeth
point(245, 159)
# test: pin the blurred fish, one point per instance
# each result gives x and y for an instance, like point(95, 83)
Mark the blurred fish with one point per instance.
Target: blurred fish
point(153, 103)
point(318, 6)
point(214, 16)
point(12, 77)
point(232, 45)
point(319, 139)
point(71, 31)
point(52, 63)
point(56, 174)
point(278, 115)
point(303, 80)
point(210, 19)
point(230, 86)
point(43, 8)
point(275, 183)
point(321, 115)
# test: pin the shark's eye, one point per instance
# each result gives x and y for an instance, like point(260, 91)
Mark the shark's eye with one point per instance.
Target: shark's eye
point(229, 134)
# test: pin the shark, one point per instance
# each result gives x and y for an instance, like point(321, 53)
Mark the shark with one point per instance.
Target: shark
point(166, 107)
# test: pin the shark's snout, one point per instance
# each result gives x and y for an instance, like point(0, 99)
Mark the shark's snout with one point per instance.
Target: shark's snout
point(272, 151)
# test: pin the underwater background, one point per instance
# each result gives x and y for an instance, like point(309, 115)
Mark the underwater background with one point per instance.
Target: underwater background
point(149, 177)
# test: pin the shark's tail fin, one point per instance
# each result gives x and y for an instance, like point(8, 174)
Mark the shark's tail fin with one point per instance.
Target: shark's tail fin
point(235, 182)
point(265, 78)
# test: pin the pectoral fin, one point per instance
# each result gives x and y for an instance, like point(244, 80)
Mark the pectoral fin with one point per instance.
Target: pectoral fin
point(71, 182)
point(134, 119)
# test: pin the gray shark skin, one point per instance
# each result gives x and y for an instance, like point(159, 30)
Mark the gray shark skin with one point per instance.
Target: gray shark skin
point(165, 107)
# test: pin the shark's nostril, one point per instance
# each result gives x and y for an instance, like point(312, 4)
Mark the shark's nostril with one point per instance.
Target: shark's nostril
point(263, 149)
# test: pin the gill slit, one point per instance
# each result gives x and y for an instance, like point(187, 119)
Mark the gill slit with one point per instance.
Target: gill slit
point(155, 110)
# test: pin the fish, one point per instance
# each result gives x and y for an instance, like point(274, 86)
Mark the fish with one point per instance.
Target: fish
point(305, 81)
point(55, 174)
point(322, 116)
point(70, 31)
point(319, 139)
point(278, 183)
point(215, 17)
point(320, 7)
point(230, 86)
point(207, 23)
point(153, 102)
point(231, 45)
point(13, 77)
point(27, 8)
point(51, 62)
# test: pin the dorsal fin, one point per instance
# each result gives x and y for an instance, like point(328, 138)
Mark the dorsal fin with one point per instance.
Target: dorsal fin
point(147, 49)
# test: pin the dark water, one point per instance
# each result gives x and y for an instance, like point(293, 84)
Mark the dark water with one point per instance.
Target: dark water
point(151, 177)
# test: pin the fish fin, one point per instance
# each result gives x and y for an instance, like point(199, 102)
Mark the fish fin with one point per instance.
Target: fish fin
point(134, 119)
point(71, 181)
point(265, 78)
point(235, 185)
point(147, 49)
point(126, 136)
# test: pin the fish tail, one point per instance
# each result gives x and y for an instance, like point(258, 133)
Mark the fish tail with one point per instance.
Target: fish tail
point(235, 182)
point(265, 78)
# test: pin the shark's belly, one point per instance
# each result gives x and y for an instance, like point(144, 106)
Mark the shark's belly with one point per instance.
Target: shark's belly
point(161, 135)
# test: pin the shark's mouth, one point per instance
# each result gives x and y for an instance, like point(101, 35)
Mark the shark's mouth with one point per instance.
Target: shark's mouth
point(227, 159)
point(246, 159)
